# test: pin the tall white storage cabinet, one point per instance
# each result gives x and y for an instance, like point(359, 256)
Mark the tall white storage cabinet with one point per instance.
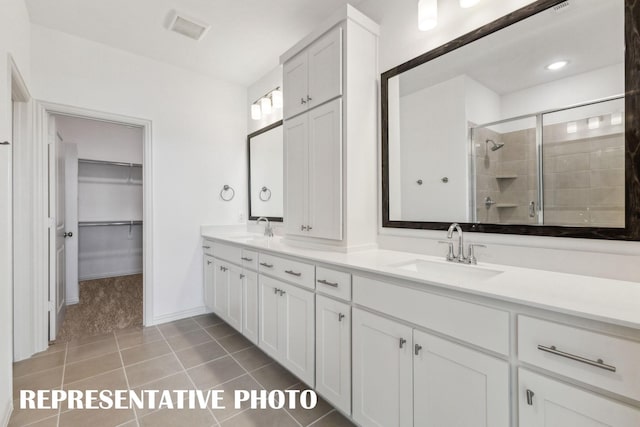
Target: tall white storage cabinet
point(329, 80)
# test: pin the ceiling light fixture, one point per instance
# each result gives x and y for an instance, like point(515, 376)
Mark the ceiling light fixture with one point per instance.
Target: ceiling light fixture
point(593, 123)
point(267, 103)
point(616, 119)
point(427, 14)
point(468, 3)
point(557, 65)
point(572, 127)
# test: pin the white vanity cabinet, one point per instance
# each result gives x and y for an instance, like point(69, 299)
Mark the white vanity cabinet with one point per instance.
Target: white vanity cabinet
point(547, 402)
point(313, 172)
point(227, 291)
point(333, 352)
point(250, 305)
point(314, 75)
point(287, 326)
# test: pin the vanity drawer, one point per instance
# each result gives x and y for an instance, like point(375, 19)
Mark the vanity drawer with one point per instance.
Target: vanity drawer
point(207, 247)
point(476, 324)
point(292, 271)
point(249, 259)
point(228, 253)
point(574, 352)
point(334, 283)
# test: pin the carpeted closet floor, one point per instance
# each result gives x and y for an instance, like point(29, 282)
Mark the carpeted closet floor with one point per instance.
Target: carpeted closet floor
point(105, 305)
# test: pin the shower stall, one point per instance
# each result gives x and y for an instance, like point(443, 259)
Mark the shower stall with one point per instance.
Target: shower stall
point(561, 167)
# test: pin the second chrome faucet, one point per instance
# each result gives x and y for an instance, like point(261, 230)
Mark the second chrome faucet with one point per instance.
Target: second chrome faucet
point(460, 256)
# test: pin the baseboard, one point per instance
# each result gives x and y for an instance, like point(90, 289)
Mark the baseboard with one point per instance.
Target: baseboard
point(7, 413)
point(72, 301)
point(179, 315)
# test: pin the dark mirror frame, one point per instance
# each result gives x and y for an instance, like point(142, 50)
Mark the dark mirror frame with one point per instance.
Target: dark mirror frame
point(631, 231)
point(253, 135)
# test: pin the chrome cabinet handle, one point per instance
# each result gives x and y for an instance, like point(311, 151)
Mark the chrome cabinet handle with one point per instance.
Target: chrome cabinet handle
point(597, 363)
point(402, 342)
point(302, 101)
point(293, 273)
point(207, 247)
point(417, 348)
point(530, 395)
point(281, 292)
point(309, 228)
point(68, 234)
point(5, 143)
point(340, 317)
point(324, 282)
point(309, 98)
point(303, 227)
point(264, 264)
point(242, 276)
point(246, 259)
point(222, 268)
point(275, 290)
point(208, 262)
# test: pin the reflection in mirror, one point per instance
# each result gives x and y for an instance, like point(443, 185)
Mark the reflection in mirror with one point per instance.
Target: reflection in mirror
point(265, 152)
point(524, 126)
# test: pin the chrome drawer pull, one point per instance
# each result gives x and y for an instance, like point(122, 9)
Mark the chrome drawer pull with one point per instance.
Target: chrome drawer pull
point(324, 282)
point(207, 247)
point(293, 273)
point(264, 264)
point(597, 363)
point(246, 259)
point(340, 317)
point(530, 395)
point(402, 342)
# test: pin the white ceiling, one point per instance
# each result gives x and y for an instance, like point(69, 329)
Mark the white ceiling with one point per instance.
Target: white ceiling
point(244, 43)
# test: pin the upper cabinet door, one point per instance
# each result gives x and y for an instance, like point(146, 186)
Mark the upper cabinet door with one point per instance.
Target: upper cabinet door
point(295, 88)
point(457, 386)
point(325, 171)
point(296, 180)
point(325, 68)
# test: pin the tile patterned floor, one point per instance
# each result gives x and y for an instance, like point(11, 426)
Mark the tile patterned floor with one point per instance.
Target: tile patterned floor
point(201, 352)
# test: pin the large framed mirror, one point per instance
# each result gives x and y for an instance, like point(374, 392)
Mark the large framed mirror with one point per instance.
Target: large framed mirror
point(528, 125)
point(266, 181)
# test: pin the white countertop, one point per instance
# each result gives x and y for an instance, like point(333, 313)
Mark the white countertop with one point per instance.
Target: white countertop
point(606, 300)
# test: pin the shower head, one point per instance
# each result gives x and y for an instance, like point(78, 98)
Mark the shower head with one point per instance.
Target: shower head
point(495, 147)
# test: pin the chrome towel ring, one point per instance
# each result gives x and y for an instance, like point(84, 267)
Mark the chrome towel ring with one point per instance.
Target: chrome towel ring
point(265, 194)
point(227, 193)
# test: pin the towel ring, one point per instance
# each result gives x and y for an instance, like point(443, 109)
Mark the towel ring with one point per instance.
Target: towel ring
point(224, 190)
point(267, 194)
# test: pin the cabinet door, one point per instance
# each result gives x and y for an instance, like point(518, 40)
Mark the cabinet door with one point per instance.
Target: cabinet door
point(457, 386)
point(220, 288)
point(325, 68)
point(382, 372)
point(209, 277)
point(250, 306)
point(270, 335)
point(333, 352)
point(234, 309)
point(296, 175)
point(552, 403)
point(298, 322)
point(325, 171)
point(295, 89)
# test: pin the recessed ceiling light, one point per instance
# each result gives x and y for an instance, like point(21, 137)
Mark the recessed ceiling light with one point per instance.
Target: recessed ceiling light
point(468, 3)
point(427, 14)
point(557, 65)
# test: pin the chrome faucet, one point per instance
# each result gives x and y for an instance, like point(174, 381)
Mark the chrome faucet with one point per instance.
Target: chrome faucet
point(460, 256)
point(268, 230)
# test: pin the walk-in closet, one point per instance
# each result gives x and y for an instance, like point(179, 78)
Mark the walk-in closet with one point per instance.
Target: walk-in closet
point(103, 198)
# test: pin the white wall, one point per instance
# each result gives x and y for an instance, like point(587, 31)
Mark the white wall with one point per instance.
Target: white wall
point(14, 41)
point(199, 137)
point(266, 84)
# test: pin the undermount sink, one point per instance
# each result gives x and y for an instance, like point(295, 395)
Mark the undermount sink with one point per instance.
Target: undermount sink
point(451, 270)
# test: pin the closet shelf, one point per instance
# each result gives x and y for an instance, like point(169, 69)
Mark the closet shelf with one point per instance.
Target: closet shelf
point(107, 223)
point(108, 163)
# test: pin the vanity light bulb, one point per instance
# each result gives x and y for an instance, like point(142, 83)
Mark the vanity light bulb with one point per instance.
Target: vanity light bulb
point(265, 105)
point(593, 123)
point(572, 127)
point(256, 112)
point(616, 119)
point(276, 98)
point(468, 3)
point(427, 14)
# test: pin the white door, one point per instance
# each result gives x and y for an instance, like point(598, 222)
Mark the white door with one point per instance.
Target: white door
point(71, 215)
point(296, 175)
point(544, 402)
point(234, 309)
point(209, 278)
point(270, 339)
point(250, 306)
point(325, 68)
point(457, 386)
point(382, 372)
point(220, 288)
point(325, 171)
point(295, 90)
point(298, 326)
point(333, 352)
point(57, 232)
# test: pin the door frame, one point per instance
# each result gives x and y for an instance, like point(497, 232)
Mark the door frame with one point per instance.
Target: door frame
point(40, 286)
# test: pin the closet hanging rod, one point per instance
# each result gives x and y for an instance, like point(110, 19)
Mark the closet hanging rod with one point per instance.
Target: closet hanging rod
point(107, 223)
point(105, 162)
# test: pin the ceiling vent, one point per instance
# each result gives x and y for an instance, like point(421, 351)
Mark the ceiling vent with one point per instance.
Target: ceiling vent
point(187, 26)
point(561, 7)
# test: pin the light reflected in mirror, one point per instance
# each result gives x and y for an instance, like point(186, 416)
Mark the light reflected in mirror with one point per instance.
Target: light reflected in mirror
point(489, 133)
point(265, 151)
